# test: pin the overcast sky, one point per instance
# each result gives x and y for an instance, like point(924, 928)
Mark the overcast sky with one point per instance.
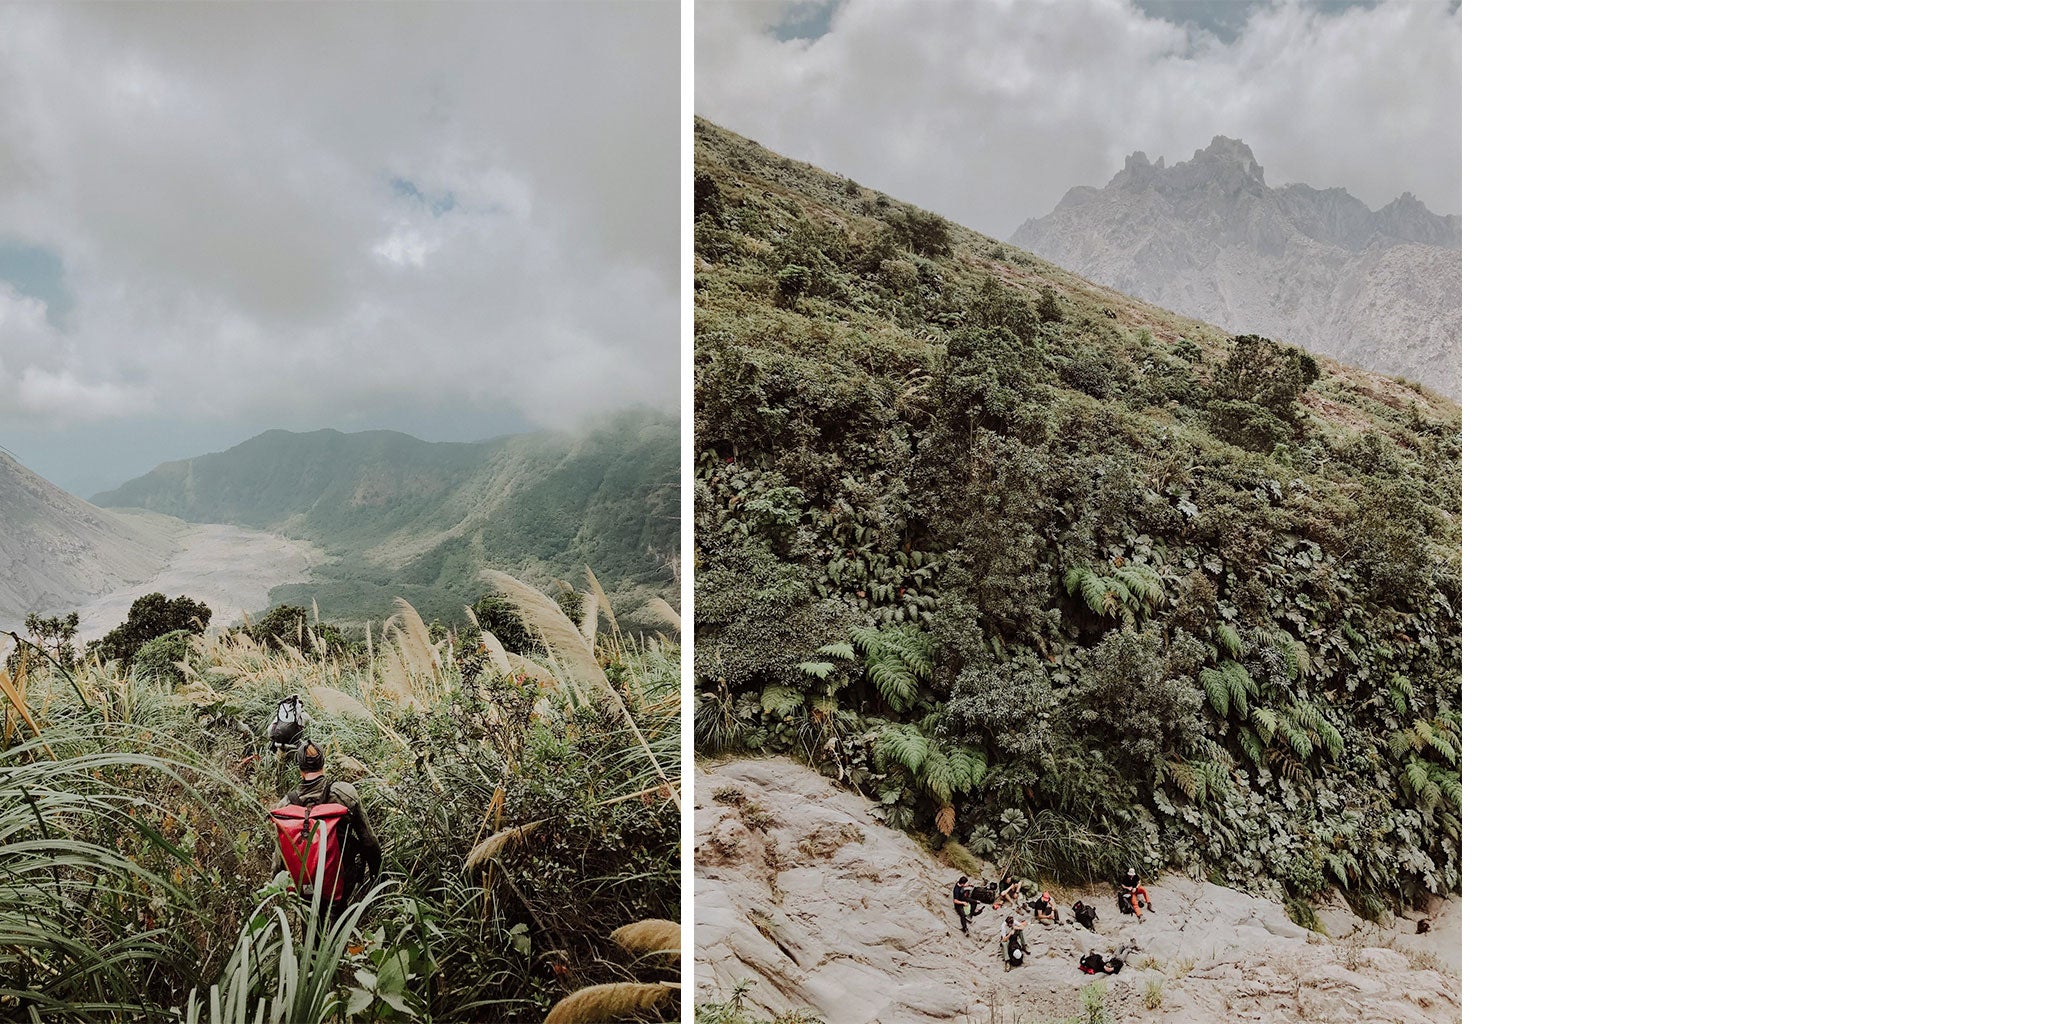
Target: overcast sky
point(988, 112)
point(457, 220)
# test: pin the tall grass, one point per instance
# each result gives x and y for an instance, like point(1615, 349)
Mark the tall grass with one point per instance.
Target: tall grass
point(137, 874)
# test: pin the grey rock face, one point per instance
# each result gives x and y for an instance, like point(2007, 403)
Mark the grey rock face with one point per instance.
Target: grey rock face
point(801, 891)
point(1209, 238)
point(56, 551)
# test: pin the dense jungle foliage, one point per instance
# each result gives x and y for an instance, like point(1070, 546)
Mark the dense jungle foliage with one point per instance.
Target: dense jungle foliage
point(520, 768)
point(1066, 578)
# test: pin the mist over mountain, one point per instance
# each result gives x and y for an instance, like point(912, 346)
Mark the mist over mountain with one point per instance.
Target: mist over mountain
point(402, 517)
point(1208, 238)
point(56, 550)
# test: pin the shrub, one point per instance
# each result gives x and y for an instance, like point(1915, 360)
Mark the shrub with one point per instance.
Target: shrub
point(158, 659)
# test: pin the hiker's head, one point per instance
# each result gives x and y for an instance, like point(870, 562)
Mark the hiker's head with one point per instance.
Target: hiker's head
point(962, 881)
point(312, 760)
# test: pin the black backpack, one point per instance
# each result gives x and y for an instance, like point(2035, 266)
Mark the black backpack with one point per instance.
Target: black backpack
point(1084, 913)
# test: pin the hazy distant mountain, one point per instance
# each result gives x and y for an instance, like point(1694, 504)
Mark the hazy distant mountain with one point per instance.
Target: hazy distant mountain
point(416, 519)
point(1209, 238)
point(57, 551)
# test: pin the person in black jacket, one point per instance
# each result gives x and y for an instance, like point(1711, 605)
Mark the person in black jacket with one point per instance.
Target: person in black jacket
point(963, 902)
point(1042, 908)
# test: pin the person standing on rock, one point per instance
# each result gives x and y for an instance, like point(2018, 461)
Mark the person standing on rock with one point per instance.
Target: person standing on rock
point(963, 903)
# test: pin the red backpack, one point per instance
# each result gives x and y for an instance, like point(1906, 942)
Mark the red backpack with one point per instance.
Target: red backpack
point(312, 849)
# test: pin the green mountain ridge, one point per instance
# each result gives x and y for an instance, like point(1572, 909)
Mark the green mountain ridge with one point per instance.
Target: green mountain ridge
point(1065, 578)
point(404, 517)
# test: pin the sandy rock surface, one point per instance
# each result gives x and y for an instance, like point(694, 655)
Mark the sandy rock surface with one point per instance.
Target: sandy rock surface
point(801, 890)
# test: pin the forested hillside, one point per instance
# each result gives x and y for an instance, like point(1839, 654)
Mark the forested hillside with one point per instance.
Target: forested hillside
point(415, 519)
point(1071, 580)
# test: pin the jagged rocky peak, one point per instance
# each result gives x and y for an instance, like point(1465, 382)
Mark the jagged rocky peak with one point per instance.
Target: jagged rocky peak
point(1225, 154)
point(1208, 238)
point(1226, 164)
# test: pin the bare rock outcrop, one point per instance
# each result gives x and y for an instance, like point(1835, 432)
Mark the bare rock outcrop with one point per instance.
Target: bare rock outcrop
point(801, 891)
point(1208, 238)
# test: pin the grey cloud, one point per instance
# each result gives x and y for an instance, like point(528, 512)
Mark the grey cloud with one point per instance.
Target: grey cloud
point(989, 113)
point(218, 182)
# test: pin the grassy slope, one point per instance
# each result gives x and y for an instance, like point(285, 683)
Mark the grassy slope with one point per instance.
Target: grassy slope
point(417, 519)
point(895, 447)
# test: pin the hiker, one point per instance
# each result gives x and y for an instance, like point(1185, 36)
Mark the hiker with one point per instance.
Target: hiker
point(1131, 898)
point(963, 902)
point(1084, 914)
point(286, 732)
point(1043, 910)
point(1009, 889)
point(1013, 943)
point(324, 836)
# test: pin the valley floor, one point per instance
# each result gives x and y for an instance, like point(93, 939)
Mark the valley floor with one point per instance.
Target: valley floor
point(229, 568)
point(802, 892)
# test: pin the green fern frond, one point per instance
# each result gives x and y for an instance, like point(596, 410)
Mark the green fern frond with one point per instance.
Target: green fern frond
point(868, 639)
point(1402, 692)
point(1297, 658)
point(1451, 786)
point(1242, 687)
point(1442, 744)
point(815, 669)
point(1295, 737)
point(1185, 777)
point(1265, 721)
point(842, 651)
point(1218, 689)
point(1092, 589)
point(1254, 748)
point(1227, 638)
point(781, 700)
point(902, 746)
point(897, 684)
point(1142, 584)
point(1217, 753)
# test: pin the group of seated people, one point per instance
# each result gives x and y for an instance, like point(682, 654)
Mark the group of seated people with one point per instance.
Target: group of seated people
point(969, 899)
